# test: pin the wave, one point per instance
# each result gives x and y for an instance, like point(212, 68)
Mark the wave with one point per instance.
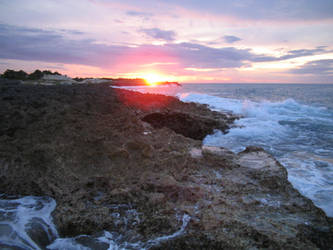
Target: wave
point(287, 129)
point(300, 136)
point(26, 223)
point(22, 218)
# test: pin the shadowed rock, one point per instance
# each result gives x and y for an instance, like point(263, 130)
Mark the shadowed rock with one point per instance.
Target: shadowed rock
point(188, 125)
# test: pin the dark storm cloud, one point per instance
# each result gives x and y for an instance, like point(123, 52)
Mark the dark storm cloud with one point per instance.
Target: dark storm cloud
point(318, 67)
point(47, 46)
point(231, 39)
point(166, 35)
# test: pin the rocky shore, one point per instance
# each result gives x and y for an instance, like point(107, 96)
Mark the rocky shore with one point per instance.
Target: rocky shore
point(102, 153)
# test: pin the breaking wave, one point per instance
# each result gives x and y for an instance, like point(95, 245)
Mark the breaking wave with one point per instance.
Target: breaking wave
point(300, 136)
point(26, 223)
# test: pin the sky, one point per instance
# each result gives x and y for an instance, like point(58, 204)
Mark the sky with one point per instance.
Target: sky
point(216, 41)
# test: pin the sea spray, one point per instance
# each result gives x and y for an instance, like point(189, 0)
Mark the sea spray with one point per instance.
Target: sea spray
point(298, 135)
point(114, 241)
point(27, 223)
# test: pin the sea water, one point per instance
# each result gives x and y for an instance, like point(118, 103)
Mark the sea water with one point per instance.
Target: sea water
point(26, 223)
point(294, 122)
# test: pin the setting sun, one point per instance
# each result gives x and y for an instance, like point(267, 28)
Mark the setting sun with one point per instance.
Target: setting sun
point(153, 79)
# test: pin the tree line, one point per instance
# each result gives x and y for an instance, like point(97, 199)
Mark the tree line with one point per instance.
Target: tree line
point(22, 75)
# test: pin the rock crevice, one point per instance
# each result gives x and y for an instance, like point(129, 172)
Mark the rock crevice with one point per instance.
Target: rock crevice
point(185, 124)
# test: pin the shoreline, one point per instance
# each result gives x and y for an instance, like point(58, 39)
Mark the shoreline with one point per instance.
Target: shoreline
point(74, 143)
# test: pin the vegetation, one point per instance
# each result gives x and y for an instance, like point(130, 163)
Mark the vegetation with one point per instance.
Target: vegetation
point(21, 75)
point(80, 79)
point(17, 75)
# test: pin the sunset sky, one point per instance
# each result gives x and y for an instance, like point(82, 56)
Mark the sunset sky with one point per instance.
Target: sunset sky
point(276, 41)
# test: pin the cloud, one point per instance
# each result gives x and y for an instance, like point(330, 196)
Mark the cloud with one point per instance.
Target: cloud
point(231, 39)
point(72, 32)
point(166, 35)
point(139, 13)
point(318, 67)
point(256, 9)
point(304, 52)
point(42, 45)
point(292, 54)
point(32, 44)
point(200, 56)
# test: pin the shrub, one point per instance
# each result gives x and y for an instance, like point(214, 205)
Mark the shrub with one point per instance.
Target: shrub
point(37, 74)
point(12, 74)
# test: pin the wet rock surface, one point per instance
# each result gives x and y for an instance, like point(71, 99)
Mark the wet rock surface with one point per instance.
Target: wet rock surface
point(93, 150)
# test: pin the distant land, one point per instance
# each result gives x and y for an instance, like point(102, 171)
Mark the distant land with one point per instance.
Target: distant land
point(135, 82)
point(56, 76)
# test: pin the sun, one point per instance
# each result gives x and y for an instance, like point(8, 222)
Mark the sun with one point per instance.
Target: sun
point(153, 79)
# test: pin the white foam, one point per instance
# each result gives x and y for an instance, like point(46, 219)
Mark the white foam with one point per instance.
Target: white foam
point(68, 244)
point(186, 218)
point(215, 103)
point(281, 128)
point(115, 241)
point(19, 214)
point(313, 182)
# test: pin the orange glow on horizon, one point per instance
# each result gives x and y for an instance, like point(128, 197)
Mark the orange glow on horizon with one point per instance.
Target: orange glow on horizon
point(152, 79)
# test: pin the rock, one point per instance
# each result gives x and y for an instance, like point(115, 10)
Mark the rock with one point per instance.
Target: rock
point(196, 153)
point(89, 148)
point(156, 198)
point(188, 125)
point(40, 232)
point(219, 152)
point(9, 82)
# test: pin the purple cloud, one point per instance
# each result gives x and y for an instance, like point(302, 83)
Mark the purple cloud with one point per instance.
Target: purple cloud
point(231, 39)
point(166, 35)
point(47, 46)
point(292, 54)
point(318, 67)
point(139, 13)
point(254, 9)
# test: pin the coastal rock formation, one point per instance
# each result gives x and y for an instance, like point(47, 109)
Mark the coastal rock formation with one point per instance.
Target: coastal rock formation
point(122, 161)
point(188, 125)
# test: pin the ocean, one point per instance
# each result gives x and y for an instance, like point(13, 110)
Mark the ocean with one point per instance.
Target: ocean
point(293, 122)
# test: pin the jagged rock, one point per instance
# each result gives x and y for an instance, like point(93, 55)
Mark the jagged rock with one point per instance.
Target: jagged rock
point(88, 148)
point(191, 126)
point(39, 232)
